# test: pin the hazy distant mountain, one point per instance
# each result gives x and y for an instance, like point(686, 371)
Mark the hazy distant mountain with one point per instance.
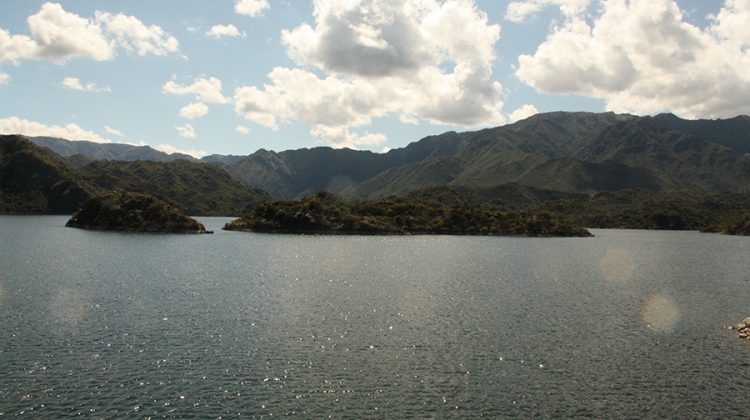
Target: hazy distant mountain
point(35, 180)
point(106, 151)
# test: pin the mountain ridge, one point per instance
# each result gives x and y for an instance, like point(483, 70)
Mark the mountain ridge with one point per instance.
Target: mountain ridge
point(578, 152)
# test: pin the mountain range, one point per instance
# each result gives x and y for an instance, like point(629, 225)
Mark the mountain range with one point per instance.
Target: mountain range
point(551, 156)
point(567, 152)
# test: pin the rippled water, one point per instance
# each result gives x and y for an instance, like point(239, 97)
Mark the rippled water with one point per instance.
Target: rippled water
point(626, 324)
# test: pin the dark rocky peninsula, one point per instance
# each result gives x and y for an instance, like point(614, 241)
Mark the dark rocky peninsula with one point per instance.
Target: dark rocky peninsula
point(739, 227)
point(328, 213)
point(132, 212)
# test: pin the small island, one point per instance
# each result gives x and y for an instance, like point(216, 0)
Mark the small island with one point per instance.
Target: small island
point(329, 213)
point(132, 212)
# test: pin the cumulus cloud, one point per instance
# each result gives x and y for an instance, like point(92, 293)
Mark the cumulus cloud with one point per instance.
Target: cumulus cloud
point(73, 83)
point(341, 137)
point(186, 131)
point(241, 129)
point(252, 8)
point(15, 125)
point(4, 78)
point(59, 36)
point(523, 112)
point(642, 56)
point(415, 59)
point(219, 31)
point(194, 110)
point(131, 34)
point(169, 149)
point(113, 131)
point(519, 11)
point(204, 89)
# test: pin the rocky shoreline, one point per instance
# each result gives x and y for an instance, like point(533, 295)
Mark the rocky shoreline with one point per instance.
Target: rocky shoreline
point(743, 329)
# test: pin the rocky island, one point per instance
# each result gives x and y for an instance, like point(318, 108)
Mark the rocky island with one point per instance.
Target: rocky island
point(132, 212)
point(328, 213)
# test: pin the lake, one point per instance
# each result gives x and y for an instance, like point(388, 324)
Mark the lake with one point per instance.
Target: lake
point(625, 324)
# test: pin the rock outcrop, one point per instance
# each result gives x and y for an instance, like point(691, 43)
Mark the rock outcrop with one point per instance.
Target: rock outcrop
point(743, 328)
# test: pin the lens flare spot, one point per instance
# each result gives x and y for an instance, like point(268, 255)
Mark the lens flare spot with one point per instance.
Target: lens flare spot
point(71, 306)
point(617, 265)
point(660, 313)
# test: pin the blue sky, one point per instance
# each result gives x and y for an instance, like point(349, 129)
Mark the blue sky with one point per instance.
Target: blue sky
point(363, 74)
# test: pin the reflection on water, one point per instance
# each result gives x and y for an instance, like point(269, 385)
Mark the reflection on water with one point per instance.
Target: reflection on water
point(626, 324)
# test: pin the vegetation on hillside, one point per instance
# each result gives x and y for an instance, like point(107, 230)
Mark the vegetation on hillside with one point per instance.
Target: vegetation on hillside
point(132, 212)
point(571, 152)
point(326, 212)
point(644, 209)
point(737, 226)
point(34, 180)
point(194, 188)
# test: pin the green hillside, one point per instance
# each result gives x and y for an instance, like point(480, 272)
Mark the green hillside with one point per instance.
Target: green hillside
point(35, 180)
point(194, 188)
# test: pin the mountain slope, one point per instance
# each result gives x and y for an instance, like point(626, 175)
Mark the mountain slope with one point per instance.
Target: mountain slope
point(480, 158)
point(680, 160)
point(733, 133)
point(35, 180)
point(194, 188)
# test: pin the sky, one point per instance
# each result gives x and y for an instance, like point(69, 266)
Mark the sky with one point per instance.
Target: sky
point(233, 76)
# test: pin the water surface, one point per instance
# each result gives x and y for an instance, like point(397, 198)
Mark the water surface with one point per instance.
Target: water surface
point(626, 324)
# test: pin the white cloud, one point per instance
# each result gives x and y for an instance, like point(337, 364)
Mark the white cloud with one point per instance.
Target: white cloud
point(340, 136)
point(194, 110)
point(59, 36)
point(417, 59)
point(186, 131)
point(219, 31)
point(15, 125)
point(4, 78)
point(241, 129)
point(519, 11)
point(113, 131)
point(206, 90)
point(73, 83)
point(731, 23)
point(131, 34)
point(169, 149)
point(523, 112)
point(641, 56)
point(252, 8)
